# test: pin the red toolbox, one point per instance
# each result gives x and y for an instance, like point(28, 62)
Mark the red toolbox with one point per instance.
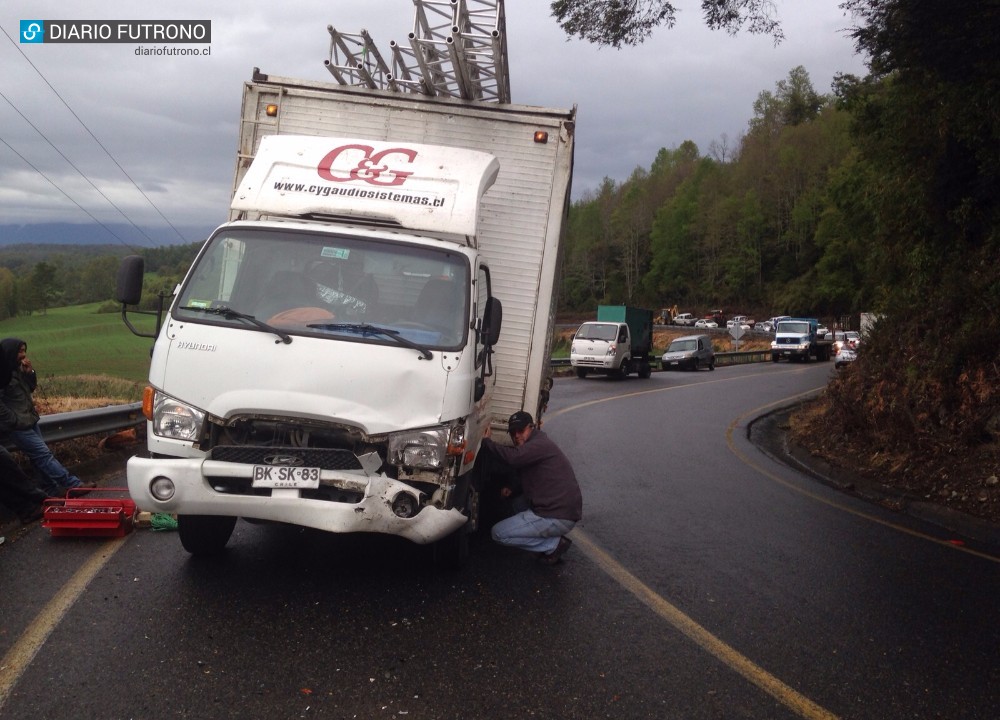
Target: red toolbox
point(100, 512)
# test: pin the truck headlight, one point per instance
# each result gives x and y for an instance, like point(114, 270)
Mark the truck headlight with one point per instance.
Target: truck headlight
point(423, 449)
point(177, 420)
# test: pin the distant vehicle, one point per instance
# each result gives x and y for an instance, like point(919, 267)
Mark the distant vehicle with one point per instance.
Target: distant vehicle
point(689, 353)
point(850, 338)
point(799, 339)
point(822, 331)
point(684, 319)
point(772, 323)
point(730, 324)
point(705, 323)
point(620, 342)
point(845, 355)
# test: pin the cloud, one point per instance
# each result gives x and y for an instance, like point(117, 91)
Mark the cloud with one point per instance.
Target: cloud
point(172, 122)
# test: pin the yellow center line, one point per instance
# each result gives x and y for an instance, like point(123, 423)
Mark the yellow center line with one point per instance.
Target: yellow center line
point(17, 659)
point(787, 696)
point(764, 680)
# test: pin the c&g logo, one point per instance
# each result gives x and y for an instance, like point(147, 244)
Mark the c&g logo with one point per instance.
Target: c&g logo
point(32, 31)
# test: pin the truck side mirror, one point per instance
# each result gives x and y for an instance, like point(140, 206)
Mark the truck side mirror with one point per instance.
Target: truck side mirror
point(492, 320)
point(128, 289)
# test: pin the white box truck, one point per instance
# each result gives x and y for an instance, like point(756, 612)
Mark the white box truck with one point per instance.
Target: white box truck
point(335, 352)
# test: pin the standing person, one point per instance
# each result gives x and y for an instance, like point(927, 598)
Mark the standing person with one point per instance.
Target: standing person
point(19, 418)
point(17, 491)
point(551, 503)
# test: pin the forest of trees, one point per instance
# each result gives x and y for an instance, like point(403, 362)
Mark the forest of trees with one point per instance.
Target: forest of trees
point(762, 224)
point(34, 278)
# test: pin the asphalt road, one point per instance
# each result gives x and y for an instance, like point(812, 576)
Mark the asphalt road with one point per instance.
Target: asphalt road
point(707, 580)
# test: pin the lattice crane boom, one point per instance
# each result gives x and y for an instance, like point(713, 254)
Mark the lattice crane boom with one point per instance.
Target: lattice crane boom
point(457, 48)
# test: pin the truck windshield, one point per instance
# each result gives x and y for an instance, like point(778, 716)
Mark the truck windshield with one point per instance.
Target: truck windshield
point(304, 283)
point(589, 331)
point(793, 328)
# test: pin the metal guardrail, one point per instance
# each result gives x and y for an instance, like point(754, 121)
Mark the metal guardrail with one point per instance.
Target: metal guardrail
point(69, 425)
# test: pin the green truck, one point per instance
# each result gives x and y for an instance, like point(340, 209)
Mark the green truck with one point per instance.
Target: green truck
point(618, 343)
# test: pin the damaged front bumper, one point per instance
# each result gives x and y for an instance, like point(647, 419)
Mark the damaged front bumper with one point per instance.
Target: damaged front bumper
point(213, 487)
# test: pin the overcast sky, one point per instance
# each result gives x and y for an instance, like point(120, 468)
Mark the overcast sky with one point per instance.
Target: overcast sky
point(171, 122)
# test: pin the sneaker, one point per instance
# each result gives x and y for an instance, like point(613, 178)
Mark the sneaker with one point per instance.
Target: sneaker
point(82, 489)
point(556, 555)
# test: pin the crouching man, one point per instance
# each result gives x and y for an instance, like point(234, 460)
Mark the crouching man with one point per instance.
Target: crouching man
point(550, 504)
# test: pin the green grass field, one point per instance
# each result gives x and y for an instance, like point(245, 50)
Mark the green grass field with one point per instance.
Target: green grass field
point(75, 346)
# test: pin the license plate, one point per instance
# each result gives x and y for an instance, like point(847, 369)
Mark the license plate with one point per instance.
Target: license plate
point(270, 476)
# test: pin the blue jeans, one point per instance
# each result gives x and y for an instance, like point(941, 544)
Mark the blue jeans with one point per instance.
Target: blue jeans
point(528, 531)
point(54, 478)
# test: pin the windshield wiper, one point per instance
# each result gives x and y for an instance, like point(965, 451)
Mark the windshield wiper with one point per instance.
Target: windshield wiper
point(231, 314)
point(366, 329)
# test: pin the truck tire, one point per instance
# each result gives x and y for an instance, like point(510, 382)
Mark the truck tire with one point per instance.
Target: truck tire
point(451, 552)
point(624, 370)
point(774, 357)
point(645, 370)
point(205, 534)
point(581, 373)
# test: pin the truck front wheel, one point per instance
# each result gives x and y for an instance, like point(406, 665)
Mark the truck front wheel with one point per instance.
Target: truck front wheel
point(581, 373)
point(624, 370)
point(205, 534)
point(451, 552)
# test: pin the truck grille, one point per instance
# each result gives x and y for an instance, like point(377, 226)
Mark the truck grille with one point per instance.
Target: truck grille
point(323, 458)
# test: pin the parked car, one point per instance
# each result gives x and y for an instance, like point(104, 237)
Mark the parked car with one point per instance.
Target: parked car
point(845, 355)
point(705, 323)
point(684, 319)
point(689, 353)
point(730, 324)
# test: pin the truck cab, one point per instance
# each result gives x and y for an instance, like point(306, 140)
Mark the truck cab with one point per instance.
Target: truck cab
point(331, 374)
point(602, 347)
point(618, 343)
